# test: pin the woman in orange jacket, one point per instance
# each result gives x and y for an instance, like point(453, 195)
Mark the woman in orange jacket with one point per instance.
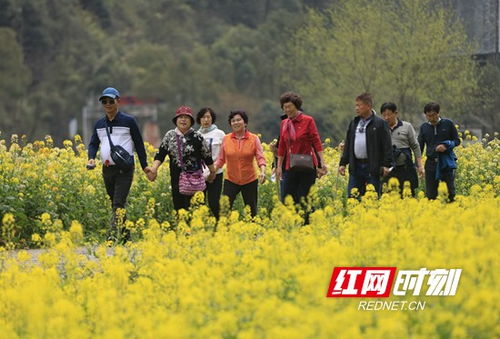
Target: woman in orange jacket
point(238, 152)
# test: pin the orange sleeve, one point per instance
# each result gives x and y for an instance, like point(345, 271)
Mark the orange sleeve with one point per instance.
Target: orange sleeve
point(259, 152)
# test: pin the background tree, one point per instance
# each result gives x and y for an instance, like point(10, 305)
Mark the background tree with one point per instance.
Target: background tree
point(243, 54)
point(14, 80)
point(483, 109)
point(408, 51)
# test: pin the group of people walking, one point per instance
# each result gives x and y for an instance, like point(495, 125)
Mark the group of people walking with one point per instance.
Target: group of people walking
point(375, 149)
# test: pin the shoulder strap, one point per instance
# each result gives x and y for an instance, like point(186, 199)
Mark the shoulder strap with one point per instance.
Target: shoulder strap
point(179, 149)
point(109, 137)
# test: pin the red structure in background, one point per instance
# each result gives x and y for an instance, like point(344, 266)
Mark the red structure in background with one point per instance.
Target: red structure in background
point(144, 110)
point(131, 100)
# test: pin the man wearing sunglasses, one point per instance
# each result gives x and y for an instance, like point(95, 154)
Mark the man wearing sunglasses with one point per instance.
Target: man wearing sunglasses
point(123, 131)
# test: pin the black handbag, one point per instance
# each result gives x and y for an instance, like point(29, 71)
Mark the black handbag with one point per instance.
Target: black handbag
point(301, 162)
point(120, 156)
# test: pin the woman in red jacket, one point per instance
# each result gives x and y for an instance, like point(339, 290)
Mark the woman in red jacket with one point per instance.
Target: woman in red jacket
point(300, 145)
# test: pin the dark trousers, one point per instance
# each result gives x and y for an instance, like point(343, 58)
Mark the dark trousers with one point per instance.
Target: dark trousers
point(405, 173)
point(361, 177)
point(431, 184)
point(117, 184)
point(179, 200)
point(282, 189)
point(248, 191)
point(213, 192)
point(297, 184)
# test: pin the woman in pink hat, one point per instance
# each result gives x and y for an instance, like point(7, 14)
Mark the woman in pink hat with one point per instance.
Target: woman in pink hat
point(186, 150)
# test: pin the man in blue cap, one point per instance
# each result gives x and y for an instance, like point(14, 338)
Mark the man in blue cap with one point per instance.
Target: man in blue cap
point(123, 131)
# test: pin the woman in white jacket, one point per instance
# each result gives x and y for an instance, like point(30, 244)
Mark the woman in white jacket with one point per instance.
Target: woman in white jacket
point(213, 137)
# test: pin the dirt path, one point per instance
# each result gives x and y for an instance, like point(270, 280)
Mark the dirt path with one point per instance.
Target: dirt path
point(35, 253)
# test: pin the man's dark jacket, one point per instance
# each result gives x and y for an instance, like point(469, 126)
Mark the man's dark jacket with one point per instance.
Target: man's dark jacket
point(431, 136)
point(378, 145)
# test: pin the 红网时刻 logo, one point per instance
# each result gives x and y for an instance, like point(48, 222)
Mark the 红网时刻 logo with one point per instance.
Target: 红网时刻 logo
point(379, 281)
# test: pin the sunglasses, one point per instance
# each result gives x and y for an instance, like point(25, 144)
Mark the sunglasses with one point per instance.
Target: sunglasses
point(110, 101)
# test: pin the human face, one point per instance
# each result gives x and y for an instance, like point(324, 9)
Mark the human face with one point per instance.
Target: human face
point(290, 109)
point(238, 124)
point(432, 117)
point(390, 116)
point(206, 120)
point(363, 109)
point(110, 105)
point(183, 123)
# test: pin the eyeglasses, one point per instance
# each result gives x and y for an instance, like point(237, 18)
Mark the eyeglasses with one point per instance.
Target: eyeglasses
point(110, 101)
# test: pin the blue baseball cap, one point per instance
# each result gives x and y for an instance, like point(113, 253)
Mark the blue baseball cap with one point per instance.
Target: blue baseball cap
point(110, 92)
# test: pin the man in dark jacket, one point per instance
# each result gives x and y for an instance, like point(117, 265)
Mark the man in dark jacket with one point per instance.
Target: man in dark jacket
point(367, 148)
point(440, 136)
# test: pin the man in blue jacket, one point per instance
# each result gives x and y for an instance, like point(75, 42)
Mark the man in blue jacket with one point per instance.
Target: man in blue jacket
point(123, 131)
point(440, 136)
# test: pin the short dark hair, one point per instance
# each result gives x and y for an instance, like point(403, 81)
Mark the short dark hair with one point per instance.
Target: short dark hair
point(202, 112)
point(431, 107)
point(291, 97)
point(239, 112)
point(388, 106)
point(366, 98)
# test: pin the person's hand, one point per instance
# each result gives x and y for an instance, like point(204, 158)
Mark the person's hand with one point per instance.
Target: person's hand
point(321, 171)
point(91, 164)
point(421, 171)
point(386, 171)
point(342, 170)
point(151, 173)
point(262, 177)
point(440, 148)
point(211, 177)
point(278, 173)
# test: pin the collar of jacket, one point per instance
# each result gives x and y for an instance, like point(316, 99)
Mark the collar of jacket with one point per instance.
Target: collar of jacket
point(208, 129)
point(399, 124)
point(179, 133)
point(114, 119)
point(369, 119)
point(298, 117)
point(439, 121)
point(245, 136)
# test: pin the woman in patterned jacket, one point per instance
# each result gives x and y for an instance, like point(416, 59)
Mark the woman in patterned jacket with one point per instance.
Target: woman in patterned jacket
point(194, 151)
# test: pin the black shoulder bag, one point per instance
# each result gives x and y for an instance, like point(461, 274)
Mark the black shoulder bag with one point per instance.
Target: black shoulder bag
point(120, 156)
